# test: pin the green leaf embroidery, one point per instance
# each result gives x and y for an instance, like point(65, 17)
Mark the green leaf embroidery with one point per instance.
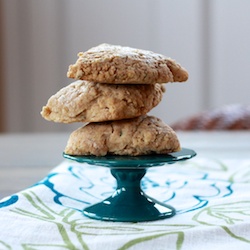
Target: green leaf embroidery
point(4, 246)
point(179, 242)
point(60, 219)
point(225, 216)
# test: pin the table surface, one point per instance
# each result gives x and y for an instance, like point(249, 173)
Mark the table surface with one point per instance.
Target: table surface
point(27, 158)
point(210, 194)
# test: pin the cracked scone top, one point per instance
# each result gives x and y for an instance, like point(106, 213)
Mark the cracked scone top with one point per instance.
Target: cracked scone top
point(139, 136)
point(124, 65)
point(84, 101)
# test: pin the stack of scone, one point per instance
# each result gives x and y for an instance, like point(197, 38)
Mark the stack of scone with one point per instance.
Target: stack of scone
point(114, 90)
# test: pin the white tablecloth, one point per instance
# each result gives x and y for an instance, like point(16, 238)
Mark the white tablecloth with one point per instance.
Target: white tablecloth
point(211, 196)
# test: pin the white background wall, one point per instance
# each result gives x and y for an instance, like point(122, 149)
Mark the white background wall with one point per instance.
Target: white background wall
point(41, 38)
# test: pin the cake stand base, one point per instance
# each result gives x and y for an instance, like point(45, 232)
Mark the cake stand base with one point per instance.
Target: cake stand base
point(129, 203)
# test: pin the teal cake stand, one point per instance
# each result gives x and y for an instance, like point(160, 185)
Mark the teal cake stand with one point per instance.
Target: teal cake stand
point(129, 203)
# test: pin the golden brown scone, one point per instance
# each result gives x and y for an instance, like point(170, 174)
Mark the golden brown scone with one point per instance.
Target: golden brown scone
point(84, 101)
point(139, 136)
point(124, 65)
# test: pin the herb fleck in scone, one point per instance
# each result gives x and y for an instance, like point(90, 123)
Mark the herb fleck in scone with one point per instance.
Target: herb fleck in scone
point(84, 101)
point(116, 64)
point(139, 136)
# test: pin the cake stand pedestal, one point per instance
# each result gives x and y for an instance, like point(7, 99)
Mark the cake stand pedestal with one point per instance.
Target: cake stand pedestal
point(129, 203)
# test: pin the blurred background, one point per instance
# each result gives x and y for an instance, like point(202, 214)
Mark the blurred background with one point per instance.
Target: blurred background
point(40, 39)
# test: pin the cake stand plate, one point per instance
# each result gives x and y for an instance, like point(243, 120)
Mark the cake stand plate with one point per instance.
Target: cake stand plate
point(129, 203)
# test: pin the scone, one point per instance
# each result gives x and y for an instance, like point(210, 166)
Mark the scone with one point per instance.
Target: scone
point(84, 101)
point(124, 65)
point(139, 136)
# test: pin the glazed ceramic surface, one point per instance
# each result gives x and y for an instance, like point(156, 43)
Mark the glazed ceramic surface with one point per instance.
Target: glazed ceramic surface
point(129, 203)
